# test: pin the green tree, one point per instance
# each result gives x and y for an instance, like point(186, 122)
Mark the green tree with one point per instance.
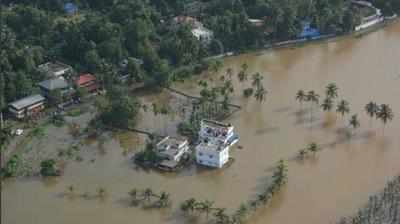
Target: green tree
point(354, 122)
point(327, 104)
point(371, 109)
point(385, 114)
point(189, 205)
point(313, 98)
point(206, 207)
point(48, 168)
point(301, 97)
point(313, 147)
point(331, 91)
point(164, 199)
point(260, 94)
point(343, 108)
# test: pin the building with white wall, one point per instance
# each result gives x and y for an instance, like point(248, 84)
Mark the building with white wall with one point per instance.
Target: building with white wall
point(172, 148)
point(212, 155)
point(215, 140)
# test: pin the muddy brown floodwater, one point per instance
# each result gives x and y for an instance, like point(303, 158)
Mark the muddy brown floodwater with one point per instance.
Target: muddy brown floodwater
point(320, 190)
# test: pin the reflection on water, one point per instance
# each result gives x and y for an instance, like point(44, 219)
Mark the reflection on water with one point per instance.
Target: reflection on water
point(333, 184)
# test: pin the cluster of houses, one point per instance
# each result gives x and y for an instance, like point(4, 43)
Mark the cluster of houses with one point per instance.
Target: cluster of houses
point(211, 150)
point(57, 75)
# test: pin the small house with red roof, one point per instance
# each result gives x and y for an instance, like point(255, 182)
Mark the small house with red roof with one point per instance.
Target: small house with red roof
point(87, 81)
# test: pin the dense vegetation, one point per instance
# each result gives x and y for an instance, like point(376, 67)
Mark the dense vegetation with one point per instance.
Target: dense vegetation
point(382, 208)
point(103, 33)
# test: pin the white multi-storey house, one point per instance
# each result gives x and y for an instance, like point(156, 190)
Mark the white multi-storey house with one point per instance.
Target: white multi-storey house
point(172, 148)
point(215, 139)
point(212, 155)
point(217, 133)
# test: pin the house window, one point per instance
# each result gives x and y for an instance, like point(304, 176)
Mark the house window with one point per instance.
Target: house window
point(211, 156)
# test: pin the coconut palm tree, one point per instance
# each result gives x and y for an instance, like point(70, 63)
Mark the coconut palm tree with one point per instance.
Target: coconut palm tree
point(313, 98)
point(257, 80)
point(206, 207)
point(313, 147)
point(303, 153)
point(343, 108)
point(301, 97)
point(385, 114)
point(221, 216)
point(147, 194)
point(216, 66)
point(253, 205)
point(71, 190)
point(260, 94)
point(229, 73)
point(189, 205)
point(101, 192)
point(241, 213)
point(133, 193)
point(354, 122)
point(163, 199)
point(371, 109)
point(262, 198)
point(327, 104)
point(242, 75)
point(331, 91)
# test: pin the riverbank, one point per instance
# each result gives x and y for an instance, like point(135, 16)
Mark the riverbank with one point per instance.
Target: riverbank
point(304, 42)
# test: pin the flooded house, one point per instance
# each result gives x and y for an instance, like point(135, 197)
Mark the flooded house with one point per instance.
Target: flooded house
point(211, 154)
point(27, 106)
point(215, 140)
point(217, 133)
point(171, 150)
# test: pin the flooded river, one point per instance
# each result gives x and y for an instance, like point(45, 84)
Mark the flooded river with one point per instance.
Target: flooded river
point(320, 190)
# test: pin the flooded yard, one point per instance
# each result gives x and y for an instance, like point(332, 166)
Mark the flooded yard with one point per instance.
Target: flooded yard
point(321, 189)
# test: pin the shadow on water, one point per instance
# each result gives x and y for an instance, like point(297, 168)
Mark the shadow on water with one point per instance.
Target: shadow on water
point(267, 130)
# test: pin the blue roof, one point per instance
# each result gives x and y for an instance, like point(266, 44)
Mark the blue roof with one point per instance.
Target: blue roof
point(70, 8)
point(308, 31)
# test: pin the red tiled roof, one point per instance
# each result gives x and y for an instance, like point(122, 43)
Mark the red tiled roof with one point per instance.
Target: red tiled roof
point(84, 78)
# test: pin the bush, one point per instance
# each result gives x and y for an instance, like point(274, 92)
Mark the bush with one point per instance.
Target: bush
point(248, 92)
point(48, 168)
point(11, 167)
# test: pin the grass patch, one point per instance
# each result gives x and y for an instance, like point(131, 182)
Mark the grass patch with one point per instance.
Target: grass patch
point(75, 112)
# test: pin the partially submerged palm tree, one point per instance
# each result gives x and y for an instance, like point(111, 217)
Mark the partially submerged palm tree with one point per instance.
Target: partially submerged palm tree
point(221, 216)
point(327, 104)
point(313, 98)
point(313, 147)
point(147, 194)
point(371, 109)
point(331, 91)
point(301, 97)
point(206, 207)
point(257, 80)
point(163, 199)
point(101, 192)
point(385, 114)
point(242, 75)
point(189, 205)
point(354, 122)
point(241, 213)
point(260, 94)
point(229, 73)
point(134, 194)
point(343, 108)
